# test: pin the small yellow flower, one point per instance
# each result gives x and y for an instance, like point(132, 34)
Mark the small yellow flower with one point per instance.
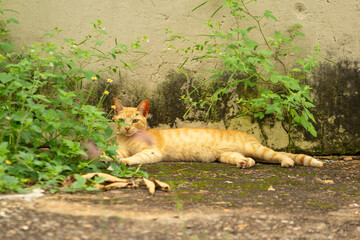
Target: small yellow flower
point(94, 78)
point(106, 92)
point(8, 162)
point(109, 80)
point(113, 107)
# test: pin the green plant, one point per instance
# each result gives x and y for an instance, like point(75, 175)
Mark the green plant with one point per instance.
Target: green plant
point(84, 184)
point(46, 117)
point(123, 172)
point(4, 21)
point(256, 69)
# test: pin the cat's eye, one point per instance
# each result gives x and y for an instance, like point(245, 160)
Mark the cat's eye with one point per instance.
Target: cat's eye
point(135, 121)
point(120, 121)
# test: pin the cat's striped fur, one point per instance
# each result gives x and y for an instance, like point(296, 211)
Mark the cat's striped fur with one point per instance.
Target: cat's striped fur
point(137, 144)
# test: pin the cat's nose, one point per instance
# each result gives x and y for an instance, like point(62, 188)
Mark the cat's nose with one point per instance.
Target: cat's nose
point(127, 128)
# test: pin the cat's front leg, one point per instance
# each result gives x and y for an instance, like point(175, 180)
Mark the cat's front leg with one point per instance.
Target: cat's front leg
point(237, 159)
point(151, 155)
point(121, 153)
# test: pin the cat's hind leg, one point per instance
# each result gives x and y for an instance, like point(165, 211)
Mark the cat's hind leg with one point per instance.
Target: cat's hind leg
point(264, 154)
point(304, 160)
point(237, 159)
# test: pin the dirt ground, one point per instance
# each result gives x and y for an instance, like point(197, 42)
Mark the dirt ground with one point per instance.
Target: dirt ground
point(207, 201)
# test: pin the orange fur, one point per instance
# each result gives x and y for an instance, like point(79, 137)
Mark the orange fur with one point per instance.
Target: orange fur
point(137, 144)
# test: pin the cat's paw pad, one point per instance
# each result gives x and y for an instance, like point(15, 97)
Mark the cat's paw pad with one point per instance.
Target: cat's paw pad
point(125, 161)
point(246, 163)
point(287, 163)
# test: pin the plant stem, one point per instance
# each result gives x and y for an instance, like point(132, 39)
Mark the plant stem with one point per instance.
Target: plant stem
point(289, 133)
point(263, 35)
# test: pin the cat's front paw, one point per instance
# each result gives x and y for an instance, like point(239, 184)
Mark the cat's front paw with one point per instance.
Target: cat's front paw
point(246, 163)
point(125, 161)
point(287, 163)
point(129, 161)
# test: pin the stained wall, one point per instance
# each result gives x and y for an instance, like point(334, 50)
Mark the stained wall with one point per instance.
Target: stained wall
point(334, 24)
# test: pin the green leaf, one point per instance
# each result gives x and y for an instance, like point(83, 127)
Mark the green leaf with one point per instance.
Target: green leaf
point(259, 115)
point(49, 34)
point(250, 43)
point(41, 97)
point(275, 77)
point(108, 131)
point(89, 74)
point(6, 47)
point(4, 77)
point(266, 53)
point(99, 179)
point(268, 14)
point(4, 148)
point(98, 42)
point(313, 131)
point(79, 183)
point(12, 20)
point(300, 61)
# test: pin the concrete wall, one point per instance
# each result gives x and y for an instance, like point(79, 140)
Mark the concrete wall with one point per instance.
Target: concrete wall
point(334, 24)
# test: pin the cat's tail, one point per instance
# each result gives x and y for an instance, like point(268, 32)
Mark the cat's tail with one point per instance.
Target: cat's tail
point(305, 160)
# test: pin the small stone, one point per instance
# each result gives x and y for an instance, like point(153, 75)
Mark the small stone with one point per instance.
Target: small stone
point(228, 229)
point(327, 181)
point(271, 188)
point(242, 226)
point(348, 158)
point(24, 227)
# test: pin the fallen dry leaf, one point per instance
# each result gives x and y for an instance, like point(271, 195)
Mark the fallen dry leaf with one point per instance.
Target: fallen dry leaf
point(163, 186)
point(116, 185)
point(112, 182)
point(150, 185)
point(108, 177)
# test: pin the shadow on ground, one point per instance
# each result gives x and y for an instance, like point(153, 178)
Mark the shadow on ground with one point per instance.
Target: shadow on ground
point(208, 201)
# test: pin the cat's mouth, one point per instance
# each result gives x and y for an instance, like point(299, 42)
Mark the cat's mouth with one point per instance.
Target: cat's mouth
point(128, 134)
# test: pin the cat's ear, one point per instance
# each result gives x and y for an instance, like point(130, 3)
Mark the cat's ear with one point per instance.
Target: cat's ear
point(143, 107)
point(118, 107)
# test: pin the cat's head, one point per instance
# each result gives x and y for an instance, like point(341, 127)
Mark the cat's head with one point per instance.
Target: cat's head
point(130, 120)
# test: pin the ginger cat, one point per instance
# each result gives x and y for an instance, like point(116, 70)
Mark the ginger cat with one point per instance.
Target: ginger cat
point(137, 144)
